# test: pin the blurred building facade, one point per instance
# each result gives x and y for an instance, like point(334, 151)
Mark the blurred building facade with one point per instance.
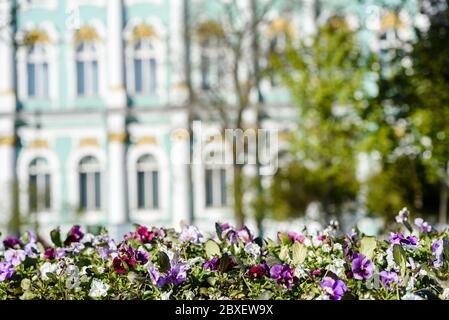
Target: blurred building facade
point(92, 97)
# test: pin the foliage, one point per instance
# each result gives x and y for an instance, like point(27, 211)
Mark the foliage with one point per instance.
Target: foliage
point(156, 263)
point(325, 74)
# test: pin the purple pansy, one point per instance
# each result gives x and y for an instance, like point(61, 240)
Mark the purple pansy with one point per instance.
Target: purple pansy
point(437, 252)
point(424, 226)
point(398, 238)
point(362, 267)
point(15, 257)
point(6, 271)
point(388, 278)
point(283, 273)
point(75, 235)
point(190, 234)
point(335, 289)
point(212, 265)
point(295, 237)
point(176, 275)
point(11, 242)
point(141, 256)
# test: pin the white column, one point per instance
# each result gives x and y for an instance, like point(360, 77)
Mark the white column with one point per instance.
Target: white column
point(117, 186)
point(178, 88)
point(179, 163)
point(7, 115)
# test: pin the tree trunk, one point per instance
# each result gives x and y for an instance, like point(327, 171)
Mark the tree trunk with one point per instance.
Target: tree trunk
point(443, 203)
point(238, 196)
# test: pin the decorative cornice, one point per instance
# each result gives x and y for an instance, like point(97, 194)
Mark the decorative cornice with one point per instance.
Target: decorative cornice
point(8, 141)
point(146, 140)
point(89, 142)
point(38, 144)
point(117, 136)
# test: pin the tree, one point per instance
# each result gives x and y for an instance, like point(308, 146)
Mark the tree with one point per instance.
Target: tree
point(233, 34)
point(325, 76)
point(413, 114)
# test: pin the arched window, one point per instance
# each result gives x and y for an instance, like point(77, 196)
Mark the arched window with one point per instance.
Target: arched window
point(211, 37)
point(89, 184)
point(37, 71)
point(86, 69)
point(144, 66)
point(215, 187)
point(39, 184)
point(212, 63)
point(147, 183)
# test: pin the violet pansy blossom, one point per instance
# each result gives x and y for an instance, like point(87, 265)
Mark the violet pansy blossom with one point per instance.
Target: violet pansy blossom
point(15, 257)
point(399, 238)
point(437, 252)
point(388, 278)
point(334, 289)
point(284, 274)
point(6, 271)
point(424, 226)
point(362, 267)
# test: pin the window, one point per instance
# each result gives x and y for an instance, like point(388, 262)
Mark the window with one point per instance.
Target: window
point(215, 183)
point(147, 183)
point(39, 184)
point(144, 66)
point(86, 69)
point(37, 71)
point(212, 64)
point(89, 184)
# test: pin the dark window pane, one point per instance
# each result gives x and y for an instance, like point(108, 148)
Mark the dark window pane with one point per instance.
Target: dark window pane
point(97, 190)
point(31, 74)
point(47, 191)
point(223, 186)
point(45, 79)
point(209, 188)
point(141, 190)
point(83, 191)
point(33, 192)
point(153, 75)
point(80, 78)
point(155, 181)
point(138, 85)
point(94, 77)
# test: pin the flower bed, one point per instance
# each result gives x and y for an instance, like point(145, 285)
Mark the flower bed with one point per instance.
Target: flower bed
point(157, 263)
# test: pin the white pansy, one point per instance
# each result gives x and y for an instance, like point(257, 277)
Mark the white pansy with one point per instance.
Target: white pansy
point(326, 248)
point(47, 268)
point(166, 295)
point(98, 289)
point(252, 249)
point(411, 296)
point(338, 247)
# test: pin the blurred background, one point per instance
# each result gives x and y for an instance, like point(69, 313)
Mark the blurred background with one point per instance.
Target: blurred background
point(98, 100)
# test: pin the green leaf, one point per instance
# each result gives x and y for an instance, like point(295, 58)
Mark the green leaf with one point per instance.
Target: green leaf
point(212, 248)
point(212, 281)
point(299, 253)
point(367, 246)
point(399, 257)
point(164, 262)
point(284, 238)
point(55, 236)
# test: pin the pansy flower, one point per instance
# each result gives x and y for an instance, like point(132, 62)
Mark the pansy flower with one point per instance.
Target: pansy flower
point(362, 267)
point(335, 289)
point(284, 274)
point(388, 278)
point(15, 257)
point(6, 271)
